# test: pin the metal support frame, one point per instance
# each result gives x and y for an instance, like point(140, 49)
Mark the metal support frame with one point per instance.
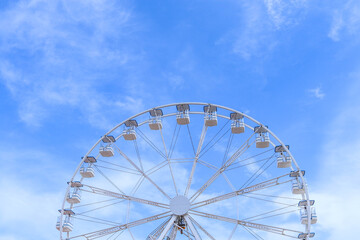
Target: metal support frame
point(192, 228)
point(123, 196)
point(167, 228)
point(107, 231)
point(262, 227)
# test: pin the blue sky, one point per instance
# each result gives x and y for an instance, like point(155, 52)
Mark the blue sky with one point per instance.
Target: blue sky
point(70, 70)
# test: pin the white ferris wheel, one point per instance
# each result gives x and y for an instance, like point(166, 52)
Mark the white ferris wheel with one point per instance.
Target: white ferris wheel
point(187, 171)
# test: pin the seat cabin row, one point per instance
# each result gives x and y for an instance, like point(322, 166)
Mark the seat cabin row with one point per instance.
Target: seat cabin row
point(67, 224)
point(210, 120)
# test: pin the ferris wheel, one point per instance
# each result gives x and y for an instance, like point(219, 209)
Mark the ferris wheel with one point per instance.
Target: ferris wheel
point(187, 171)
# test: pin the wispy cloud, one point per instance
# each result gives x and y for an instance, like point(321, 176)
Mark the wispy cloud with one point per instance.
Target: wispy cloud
point(345, 21)
point(285, 13)
point(66, 48)
point(340, 167)
point(317, 93)
point(259, 23)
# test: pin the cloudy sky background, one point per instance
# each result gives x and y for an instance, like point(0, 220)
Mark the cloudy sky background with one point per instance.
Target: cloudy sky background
point(70, 70)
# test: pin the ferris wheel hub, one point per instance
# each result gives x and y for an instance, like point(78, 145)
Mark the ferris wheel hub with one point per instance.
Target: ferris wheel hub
point(179, 205)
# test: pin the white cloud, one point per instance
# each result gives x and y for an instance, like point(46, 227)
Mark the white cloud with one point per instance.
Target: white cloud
point(317, 92)
point(259, 22)
point(66, 49)
point(285, 13)
point(346, 21)
point(30, 196)
point(336, 191)
point(23, 207)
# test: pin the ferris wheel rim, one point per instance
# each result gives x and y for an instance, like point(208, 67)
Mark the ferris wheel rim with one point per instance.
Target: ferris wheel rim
point(305, 194)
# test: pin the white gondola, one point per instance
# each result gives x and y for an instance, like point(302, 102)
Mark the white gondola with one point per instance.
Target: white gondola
point(304, 216)
point(210, 117)
point(304, 235)
point(67, 224)
point(297, 187)
point(129, 133)
point(182, 116)
point(87, 172)
point(237, 124)
point(262, 140)
point(261, 137)
point(283, 161)
point(155, 119)
point(74, 196)
point(106, 151)
point(155, 123)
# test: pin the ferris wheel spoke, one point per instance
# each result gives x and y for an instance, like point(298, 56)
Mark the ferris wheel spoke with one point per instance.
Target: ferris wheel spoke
point(274, 215)
point(201, 228)
point(118, 170)
point(233, 231)
point(157, 167)
point(266, 213)
point(173, 232)
point(104, 206)
point(228, 147)
point(203, 153)
point(158, 230)
point(201, 141)
point(233, 158)
point(192, 228)
point(118, 167)
point(205, 149)
point(258, 173)
point(108, 179)
point(266, 184)
point(104, 192)
point(248, 158)
point(191, 140)
point(139, 170)
point(111, 230)
point(167, 227)
point(138, 154)
point(268, 228)
point(252, 233)
point(267, 200)
point(151, 144)
point(174, 140)
point(216, 168)
point(169, 163)
point(90, 218)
